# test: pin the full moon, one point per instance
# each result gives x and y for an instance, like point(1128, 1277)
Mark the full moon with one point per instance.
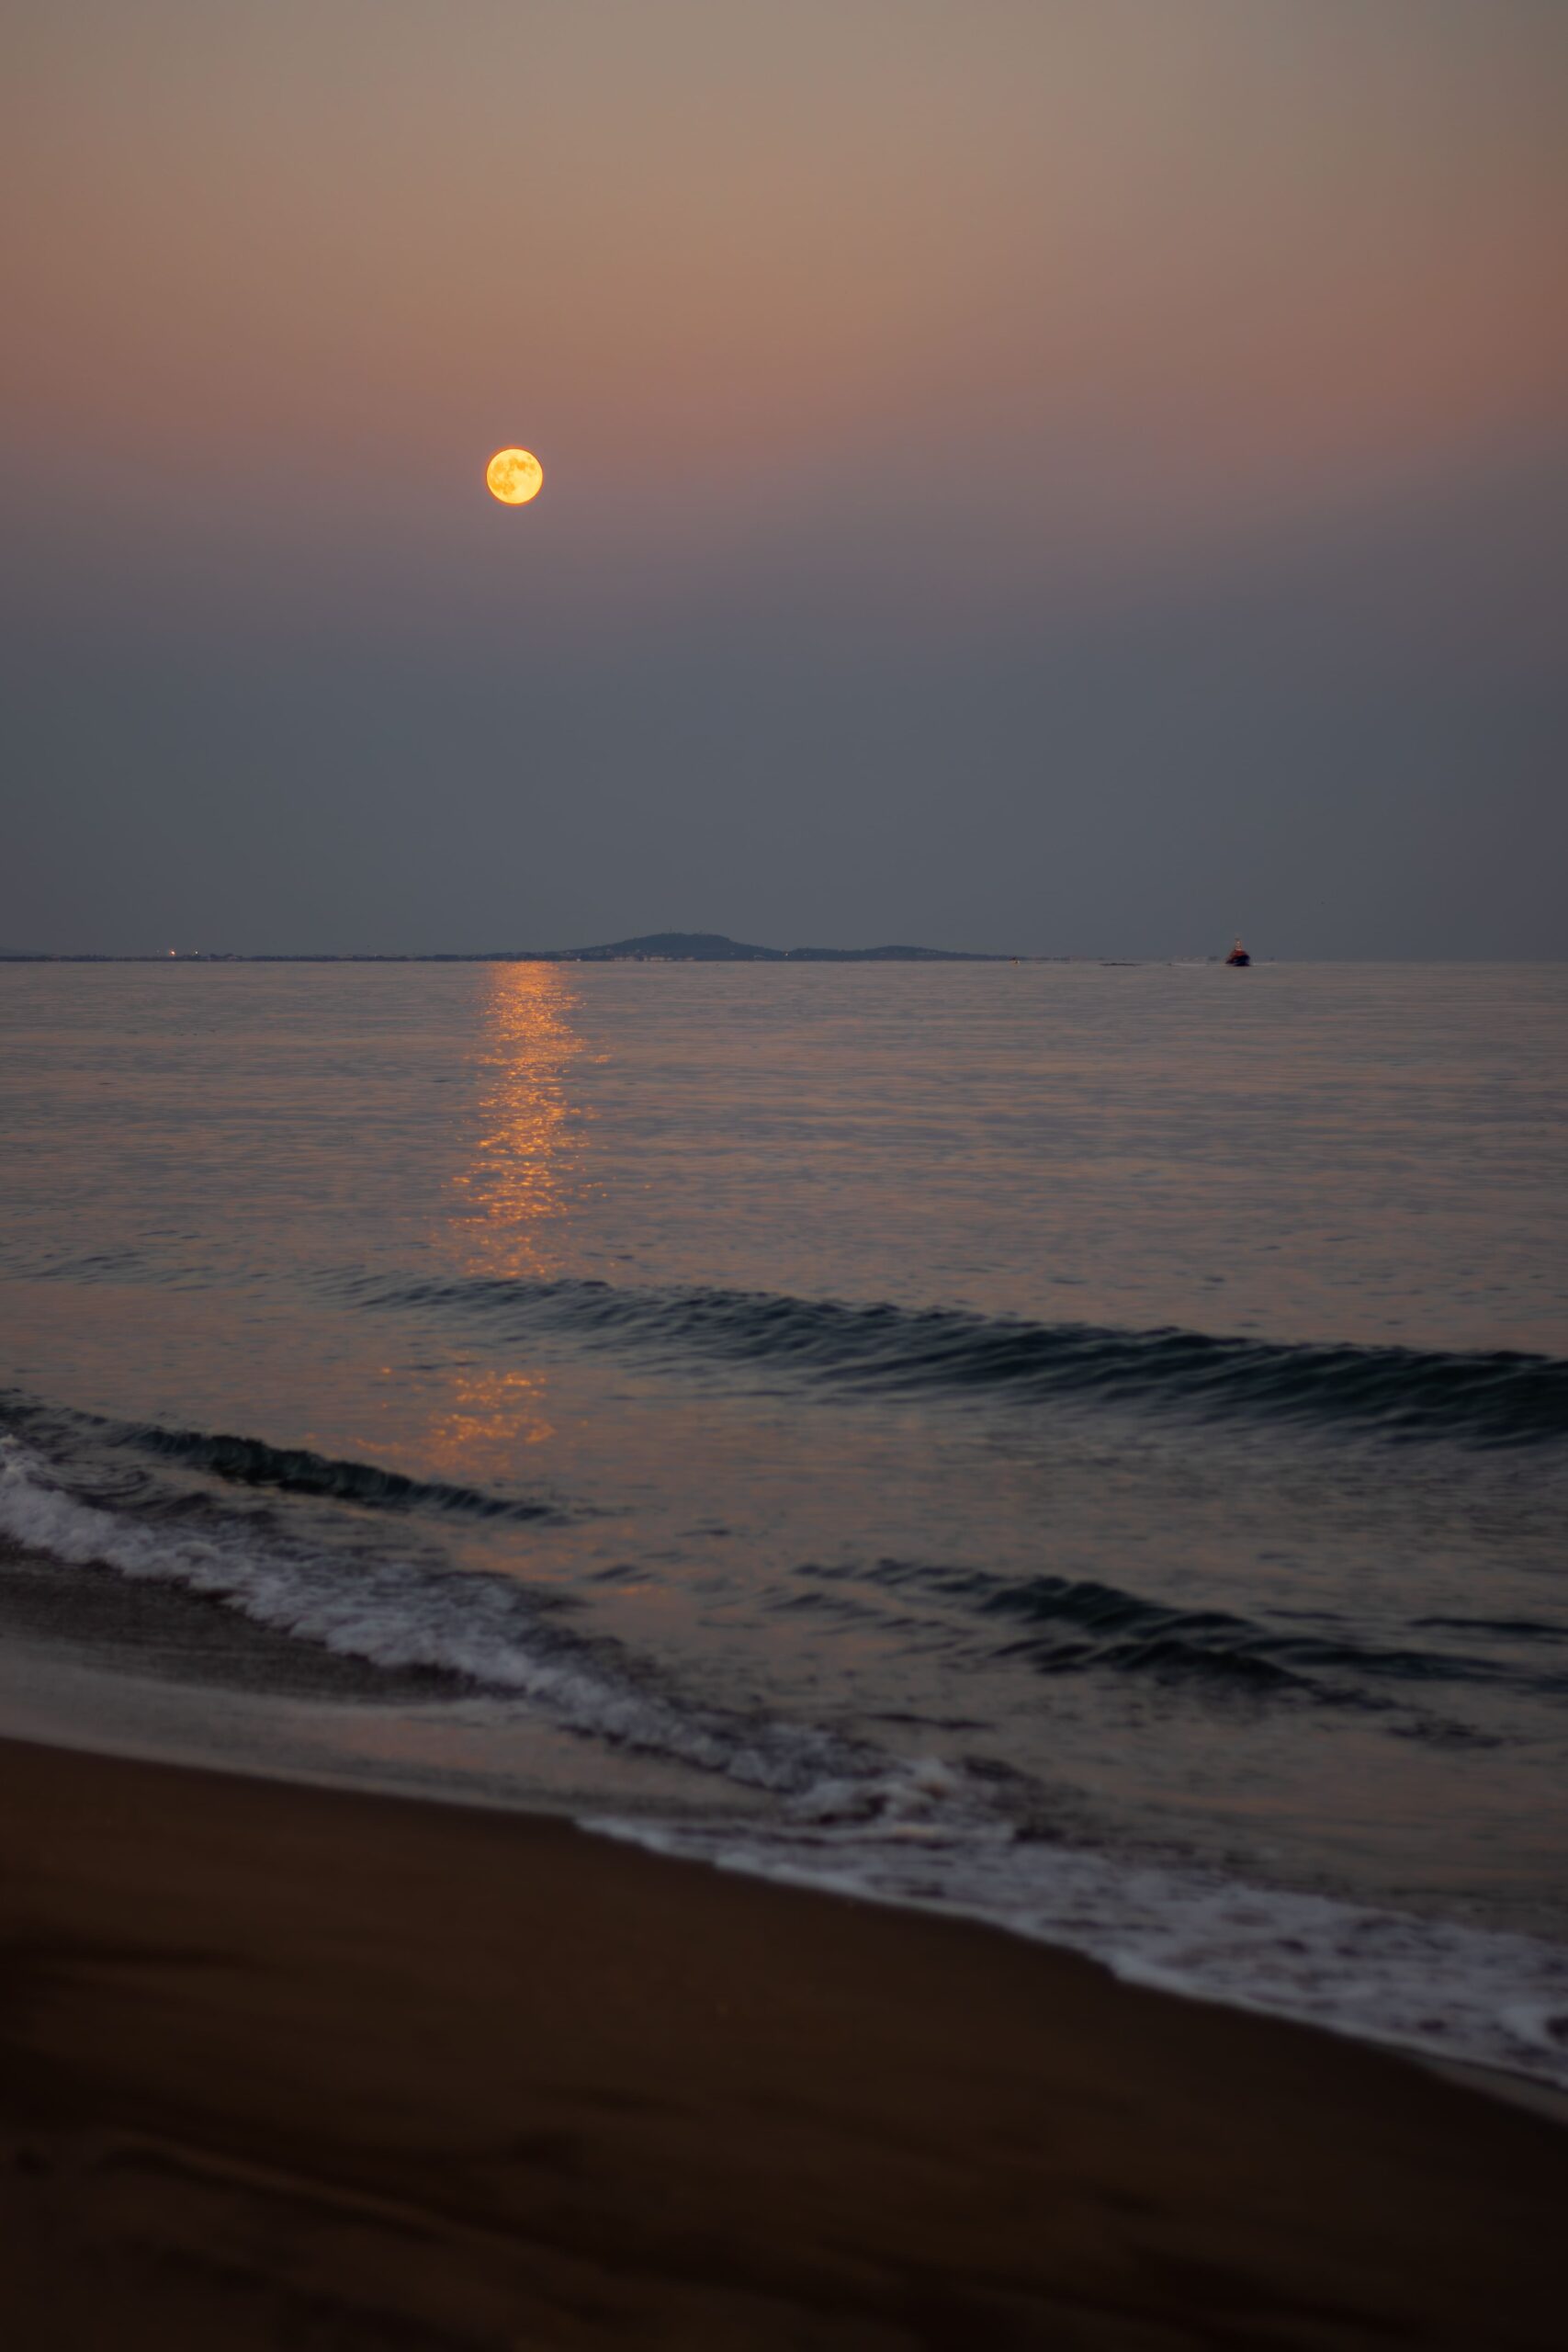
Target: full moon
point(514, 476)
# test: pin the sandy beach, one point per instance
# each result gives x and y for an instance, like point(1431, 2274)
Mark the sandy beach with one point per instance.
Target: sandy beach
point(287, 2066)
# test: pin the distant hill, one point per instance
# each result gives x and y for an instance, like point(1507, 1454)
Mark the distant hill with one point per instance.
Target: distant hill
point(688, 946)
point(713, 947)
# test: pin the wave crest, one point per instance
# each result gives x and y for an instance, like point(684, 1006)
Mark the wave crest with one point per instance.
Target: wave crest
point(1501, 1398)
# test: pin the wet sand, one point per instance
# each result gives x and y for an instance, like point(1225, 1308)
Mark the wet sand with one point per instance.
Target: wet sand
point(283, 2066)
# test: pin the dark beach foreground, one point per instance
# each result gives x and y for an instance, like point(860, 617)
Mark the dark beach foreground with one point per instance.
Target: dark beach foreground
point(285, 2066)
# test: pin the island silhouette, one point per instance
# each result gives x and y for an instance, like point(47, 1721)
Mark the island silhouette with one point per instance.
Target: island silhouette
point(714, 947)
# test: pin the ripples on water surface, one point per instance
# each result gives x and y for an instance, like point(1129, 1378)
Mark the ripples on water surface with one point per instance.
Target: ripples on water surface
point(1085, 1443)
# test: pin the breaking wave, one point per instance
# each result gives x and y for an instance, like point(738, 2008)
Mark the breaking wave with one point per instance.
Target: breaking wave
point(846, 1815)
point(485, 1629)
point(1431, 1987)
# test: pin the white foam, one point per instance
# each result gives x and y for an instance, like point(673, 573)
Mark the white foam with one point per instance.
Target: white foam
point(398, 1614)
point(1426, 1985)
point(912, 1833)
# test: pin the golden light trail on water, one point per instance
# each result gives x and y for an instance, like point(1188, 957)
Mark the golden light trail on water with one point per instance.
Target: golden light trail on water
point(524, 1174)
point(521, 1183)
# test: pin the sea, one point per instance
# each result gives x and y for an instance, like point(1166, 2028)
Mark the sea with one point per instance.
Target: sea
point(1083, 1446)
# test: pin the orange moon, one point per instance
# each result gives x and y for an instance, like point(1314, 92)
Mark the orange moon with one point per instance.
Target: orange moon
point(514, 476)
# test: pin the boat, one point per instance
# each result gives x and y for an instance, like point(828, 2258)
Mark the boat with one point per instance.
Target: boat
point(1238, 955)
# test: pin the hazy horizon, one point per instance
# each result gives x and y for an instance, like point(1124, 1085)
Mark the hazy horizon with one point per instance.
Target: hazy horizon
point(1077, 480)
point(804, 951)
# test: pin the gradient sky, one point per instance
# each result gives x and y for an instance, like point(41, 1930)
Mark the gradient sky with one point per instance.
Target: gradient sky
point(1073, 476)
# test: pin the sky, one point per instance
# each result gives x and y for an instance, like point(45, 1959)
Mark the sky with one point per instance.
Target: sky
point(1051, 476)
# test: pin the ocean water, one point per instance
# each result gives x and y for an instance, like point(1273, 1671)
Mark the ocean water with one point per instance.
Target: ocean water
point(1084, 1445)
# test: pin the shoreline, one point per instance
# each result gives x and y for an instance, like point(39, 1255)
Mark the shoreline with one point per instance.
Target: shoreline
point(287, 2063)
point(194, 1702)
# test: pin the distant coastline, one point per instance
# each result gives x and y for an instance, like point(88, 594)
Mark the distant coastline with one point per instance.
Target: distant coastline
point(653, 947)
